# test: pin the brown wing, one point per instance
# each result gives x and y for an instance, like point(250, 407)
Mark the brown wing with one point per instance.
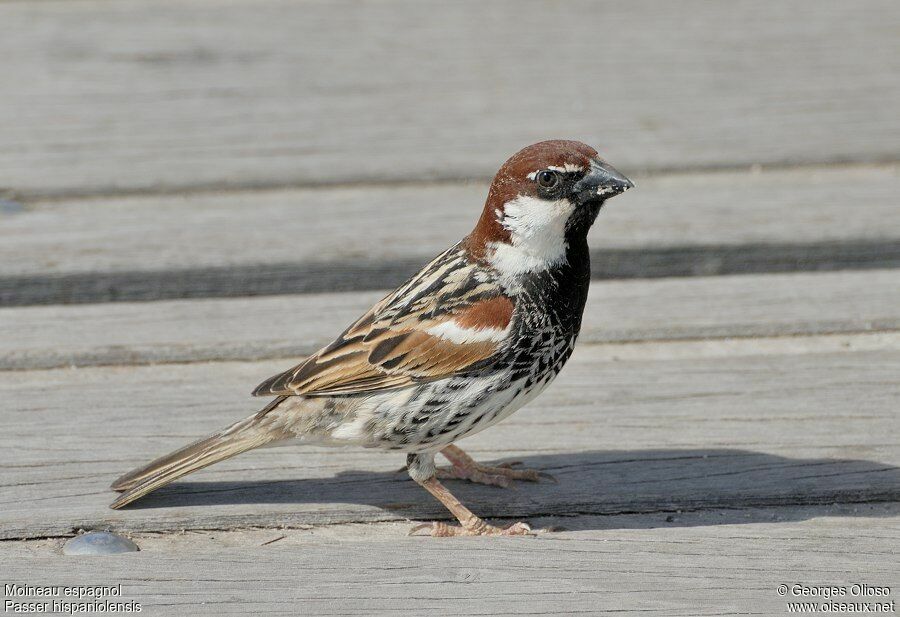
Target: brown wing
point(449, 318)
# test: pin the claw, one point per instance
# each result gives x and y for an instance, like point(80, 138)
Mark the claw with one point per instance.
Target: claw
point(417, 528)
point(520, 529)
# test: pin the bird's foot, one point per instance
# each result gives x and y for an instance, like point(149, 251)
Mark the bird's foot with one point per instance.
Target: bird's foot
point(500, 475)
point(477, 527)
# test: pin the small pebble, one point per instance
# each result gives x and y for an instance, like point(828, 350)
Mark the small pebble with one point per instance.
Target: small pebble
point(670, 519)
point(99, 543)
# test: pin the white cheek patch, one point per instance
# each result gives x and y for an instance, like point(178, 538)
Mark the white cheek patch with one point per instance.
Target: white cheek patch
point(453, 332)
point(537, 230)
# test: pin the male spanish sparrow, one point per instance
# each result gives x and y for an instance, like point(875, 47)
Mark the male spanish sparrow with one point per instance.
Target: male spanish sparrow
point(468, 340)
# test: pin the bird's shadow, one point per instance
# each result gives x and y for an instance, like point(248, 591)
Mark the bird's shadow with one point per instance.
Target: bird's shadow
point(741, 486)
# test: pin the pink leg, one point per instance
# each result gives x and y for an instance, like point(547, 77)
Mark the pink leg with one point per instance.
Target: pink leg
point(471, 525)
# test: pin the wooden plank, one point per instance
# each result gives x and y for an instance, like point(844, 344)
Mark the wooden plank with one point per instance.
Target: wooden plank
point(169, 94)
point(250, 243)
point(284, 326)
point(710, 563)
point(621, 436)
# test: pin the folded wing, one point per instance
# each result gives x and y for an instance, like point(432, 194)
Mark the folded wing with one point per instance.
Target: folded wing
point(450, 318)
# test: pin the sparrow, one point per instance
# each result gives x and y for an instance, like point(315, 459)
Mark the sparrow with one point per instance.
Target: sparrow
point(472, 337)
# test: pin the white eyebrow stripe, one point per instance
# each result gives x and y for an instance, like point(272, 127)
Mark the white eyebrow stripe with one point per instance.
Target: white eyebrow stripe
point(568, 168)
point(565, 169)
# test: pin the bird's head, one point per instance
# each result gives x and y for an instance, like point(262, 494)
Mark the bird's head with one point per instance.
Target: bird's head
point(542, 200)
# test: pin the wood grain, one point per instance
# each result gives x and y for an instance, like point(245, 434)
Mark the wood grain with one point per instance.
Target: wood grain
point(302, 241)
point(713, 436)
point(721, 562)
point(772, 305)
point(620, 436)
point(168, 94)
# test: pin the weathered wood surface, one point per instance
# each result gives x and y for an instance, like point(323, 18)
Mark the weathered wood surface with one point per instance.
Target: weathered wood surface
point(620, 436)
point(250, 243)
point(713, 437)
point(284, 326)
point(260, 92)
point(722, 562)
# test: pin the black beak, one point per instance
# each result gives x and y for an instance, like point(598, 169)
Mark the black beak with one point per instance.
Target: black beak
point(601, 182)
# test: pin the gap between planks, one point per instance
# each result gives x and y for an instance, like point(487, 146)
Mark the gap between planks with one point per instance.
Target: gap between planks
point(724, 562)
point(277, 242)
point(620, 436)
point(772, 306)
point(19, 201)
point(198, 93)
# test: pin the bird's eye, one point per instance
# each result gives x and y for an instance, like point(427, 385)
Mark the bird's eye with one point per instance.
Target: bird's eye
point(547, 179)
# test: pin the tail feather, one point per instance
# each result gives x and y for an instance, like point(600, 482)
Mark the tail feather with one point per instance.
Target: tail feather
point(239, 437)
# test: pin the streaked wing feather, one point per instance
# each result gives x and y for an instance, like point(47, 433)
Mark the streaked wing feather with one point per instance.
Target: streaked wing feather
point(391, 345)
